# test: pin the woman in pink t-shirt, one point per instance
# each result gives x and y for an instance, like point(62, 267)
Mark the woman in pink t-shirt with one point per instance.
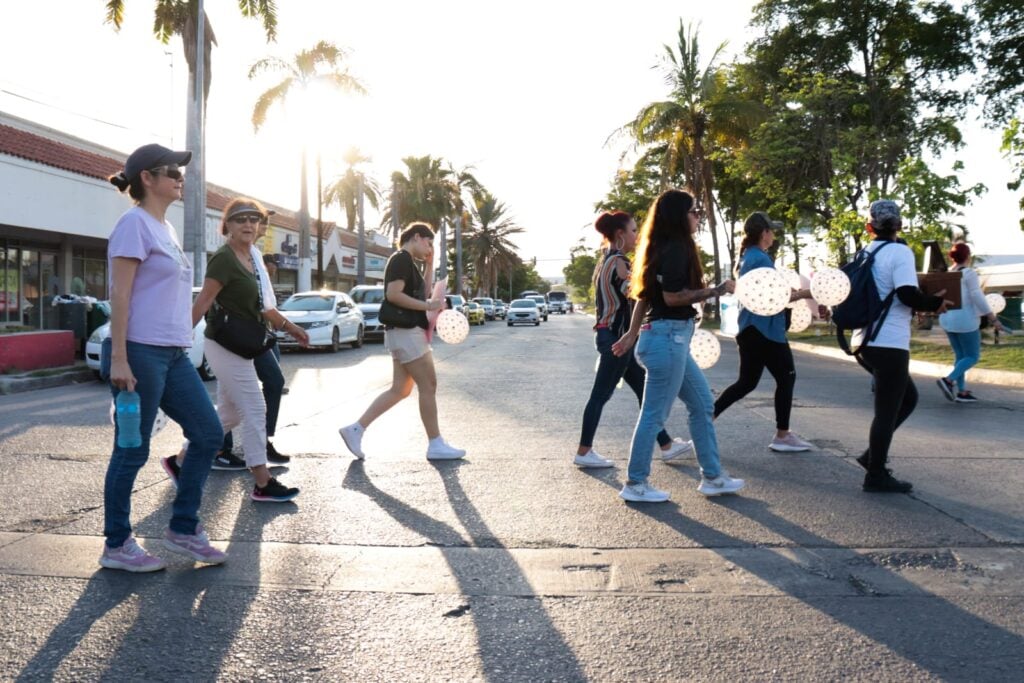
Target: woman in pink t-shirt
point(150, 332)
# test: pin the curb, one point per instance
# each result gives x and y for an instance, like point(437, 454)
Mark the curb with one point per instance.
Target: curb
point(1004, 378)
point(17, 385)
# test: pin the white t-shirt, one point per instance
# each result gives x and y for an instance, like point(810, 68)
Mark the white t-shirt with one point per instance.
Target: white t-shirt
point(266, 288)
point(894, 267)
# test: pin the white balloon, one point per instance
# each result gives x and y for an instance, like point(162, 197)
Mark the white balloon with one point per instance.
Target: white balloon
point(800, 319)
point(763, 291)
point(705, 349)
point(792, 277)
point(996, 302)
point(452, 326)
point(830, 286)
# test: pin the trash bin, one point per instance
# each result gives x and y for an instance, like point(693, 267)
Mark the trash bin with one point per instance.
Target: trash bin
point(1010, 317)
point(729, 315)
point(97, 316)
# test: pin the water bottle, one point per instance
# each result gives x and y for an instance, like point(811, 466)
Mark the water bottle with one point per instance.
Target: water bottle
point(129, 420)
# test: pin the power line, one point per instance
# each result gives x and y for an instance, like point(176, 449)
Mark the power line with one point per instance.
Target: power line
point(78, 114)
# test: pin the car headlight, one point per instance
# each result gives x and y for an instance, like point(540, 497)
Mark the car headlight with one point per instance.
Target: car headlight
point(320, 323)
point(96, 337)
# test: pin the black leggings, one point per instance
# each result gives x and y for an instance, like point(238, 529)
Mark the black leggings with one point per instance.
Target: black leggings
point(610, 370)
point(895, 399)
point(757, 352)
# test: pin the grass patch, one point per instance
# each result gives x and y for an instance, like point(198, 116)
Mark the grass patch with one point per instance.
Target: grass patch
point(1007, 355)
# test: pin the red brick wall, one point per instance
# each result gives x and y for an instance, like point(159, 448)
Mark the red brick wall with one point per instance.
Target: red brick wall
point(35, 350)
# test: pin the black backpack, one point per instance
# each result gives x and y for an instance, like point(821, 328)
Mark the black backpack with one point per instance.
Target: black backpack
point(863, 309)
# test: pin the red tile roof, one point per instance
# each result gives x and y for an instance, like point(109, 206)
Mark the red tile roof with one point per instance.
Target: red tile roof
point(43, 150)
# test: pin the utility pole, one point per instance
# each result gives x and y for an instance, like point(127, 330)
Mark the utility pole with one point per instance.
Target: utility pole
point(305, 282)
point(195, 186)
point(458, 255)
point(361, 253)
point(319, 225)
point(396, 221)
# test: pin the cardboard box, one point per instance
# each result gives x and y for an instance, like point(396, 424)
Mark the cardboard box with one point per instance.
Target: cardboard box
point(933, 283)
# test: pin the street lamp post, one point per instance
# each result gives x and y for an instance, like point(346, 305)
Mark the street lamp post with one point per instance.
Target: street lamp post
point(195, 188)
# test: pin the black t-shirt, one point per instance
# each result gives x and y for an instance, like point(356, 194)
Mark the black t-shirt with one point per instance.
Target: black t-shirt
point(673, 276)
point(402, 267)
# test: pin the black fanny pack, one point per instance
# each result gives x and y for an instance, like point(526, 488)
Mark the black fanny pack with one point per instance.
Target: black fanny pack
point(394, 316)
point(241, 336)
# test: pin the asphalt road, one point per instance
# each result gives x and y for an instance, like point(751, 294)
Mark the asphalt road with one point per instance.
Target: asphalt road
point(513, 565)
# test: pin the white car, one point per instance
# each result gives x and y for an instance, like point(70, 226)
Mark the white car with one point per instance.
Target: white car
point(369, 298)
point(330, 318)
point(499, 309)
point(542, 306)
point(195, 353)
point(523, 311)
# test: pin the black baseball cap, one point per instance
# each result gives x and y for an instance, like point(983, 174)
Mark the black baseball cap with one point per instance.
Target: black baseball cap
point(152, 156)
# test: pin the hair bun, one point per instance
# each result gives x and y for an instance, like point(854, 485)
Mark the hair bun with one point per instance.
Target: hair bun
point(120, 181)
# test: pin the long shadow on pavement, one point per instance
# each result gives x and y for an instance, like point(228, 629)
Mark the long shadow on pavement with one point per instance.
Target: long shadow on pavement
point(181, 627)
point(519, 639)
point(933, 633)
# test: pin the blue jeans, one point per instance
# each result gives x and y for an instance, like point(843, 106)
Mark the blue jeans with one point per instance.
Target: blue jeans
point(967, 351)
point(664, 351)
point(268, 369)
point(611, 369)
point(165, 378)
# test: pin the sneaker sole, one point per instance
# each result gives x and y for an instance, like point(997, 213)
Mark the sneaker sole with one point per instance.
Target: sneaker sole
point(634, 499)
point(722, 492)
point(593, 466)
point(170, 473)
point(965, 400)
point(357, 453)
point(946, 391)
point(788, 449)
point(175, 548)
point(227, 468)
point(114, 564)
point(273, 499)
point(445, 457)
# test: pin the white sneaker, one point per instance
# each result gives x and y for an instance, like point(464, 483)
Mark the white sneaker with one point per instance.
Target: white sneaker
point(720, 485)
point(678, 450)
point(790, 444)
point(592, 459)
point(642, 492)
point(444, 451)
point(353, 438)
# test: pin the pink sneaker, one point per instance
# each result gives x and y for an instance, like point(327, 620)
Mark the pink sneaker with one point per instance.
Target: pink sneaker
point(197, 546)
point(130, 557)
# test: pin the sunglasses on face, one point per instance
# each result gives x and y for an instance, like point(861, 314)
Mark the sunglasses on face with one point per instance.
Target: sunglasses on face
point(247, 218)
point(172, 172)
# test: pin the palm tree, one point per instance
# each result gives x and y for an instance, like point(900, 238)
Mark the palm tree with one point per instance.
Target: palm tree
point(181, 18)
point(322, 64)
point(345, 193)
point(698, 114)
point(487, 240)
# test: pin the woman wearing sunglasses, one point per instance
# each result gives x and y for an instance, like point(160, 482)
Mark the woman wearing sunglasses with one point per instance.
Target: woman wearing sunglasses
point(234, 289)
point(150, 330)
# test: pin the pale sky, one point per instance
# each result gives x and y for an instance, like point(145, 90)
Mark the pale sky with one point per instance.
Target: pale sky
point(525, 92)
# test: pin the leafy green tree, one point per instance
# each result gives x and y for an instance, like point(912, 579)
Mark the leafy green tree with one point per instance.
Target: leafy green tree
point(488, 240)
point(579, 274)
point(1013, 149)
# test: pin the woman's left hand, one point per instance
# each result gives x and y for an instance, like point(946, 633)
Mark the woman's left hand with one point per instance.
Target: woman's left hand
point(624, 344)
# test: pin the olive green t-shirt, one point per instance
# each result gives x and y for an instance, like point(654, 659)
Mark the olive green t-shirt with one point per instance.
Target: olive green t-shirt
point(240, 294)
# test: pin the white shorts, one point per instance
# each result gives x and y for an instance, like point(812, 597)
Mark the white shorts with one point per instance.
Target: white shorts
point(406, 344)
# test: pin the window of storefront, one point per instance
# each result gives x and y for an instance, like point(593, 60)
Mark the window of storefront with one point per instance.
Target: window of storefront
point(89, 273)
point(28, 284)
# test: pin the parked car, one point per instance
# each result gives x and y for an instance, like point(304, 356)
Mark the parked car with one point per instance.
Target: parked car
point(458, 303)
point(500, 310)
point(558, 302)
point(523, 311)
point(542, 305)
point(476, 313)
point(330, 318)
point(487, 304)
point(195, 354)
point(369, 298)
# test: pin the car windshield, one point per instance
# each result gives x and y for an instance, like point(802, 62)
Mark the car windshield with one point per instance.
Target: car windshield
point(312, 302)
point(474, 305)
point(538, 299)
point(556, 296)
point(484, 302)
point(368, 296)
point(522, 303)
